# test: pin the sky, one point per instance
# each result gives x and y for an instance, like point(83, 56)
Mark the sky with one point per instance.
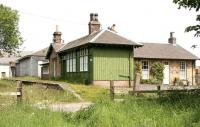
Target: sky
point(138, 20)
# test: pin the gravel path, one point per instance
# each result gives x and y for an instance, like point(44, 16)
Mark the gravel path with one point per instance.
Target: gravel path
point(71, 107)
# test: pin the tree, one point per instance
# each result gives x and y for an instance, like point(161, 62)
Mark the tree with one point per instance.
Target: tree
point(10, 38)
point(191, 4)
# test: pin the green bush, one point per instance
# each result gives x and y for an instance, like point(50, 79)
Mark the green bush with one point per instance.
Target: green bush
point(149, 81)
point(157, 71)
point(138, 67)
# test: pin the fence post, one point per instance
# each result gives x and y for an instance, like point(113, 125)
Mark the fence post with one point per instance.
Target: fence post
point(112, 90)
point(19, 89)
point(159, 92)
point(136, 81)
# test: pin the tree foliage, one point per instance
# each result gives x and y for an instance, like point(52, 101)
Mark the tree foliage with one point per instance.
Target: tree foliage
point(191, 4)
point(10, 38)
point(157, 71)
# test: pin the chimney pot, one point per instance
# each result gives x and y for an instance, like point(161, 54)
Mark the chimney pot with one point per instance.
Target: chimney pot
point(57, 36)
point(91, 16)
point(94, 24)
point(172, 39)
point(56, 28)
point(171, 34)
point(96, 16)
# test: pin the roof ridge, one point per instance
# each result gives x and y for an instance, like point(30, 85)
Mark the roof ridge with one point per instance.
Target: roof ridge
point(94, 38)
point(123, 37)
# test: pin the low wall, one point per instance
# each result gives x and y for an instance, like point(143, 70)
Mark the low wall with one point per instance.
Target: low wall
point(106, 84)
point(41, 84)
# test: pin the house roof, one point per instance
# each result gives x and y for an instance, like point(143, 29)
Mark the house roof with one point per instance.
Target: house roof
point(55, 46)
point(18, 54)
point(6, 58)
point(100, 37)
point(40, 53)
point(163, 51)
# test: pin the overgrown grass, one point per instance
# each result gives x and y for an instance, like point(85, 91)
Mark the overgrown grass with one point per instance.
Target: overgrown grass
point(174, 110)
point(35, 94)
point(26, 116)
point(6, 85)
point(90, 92)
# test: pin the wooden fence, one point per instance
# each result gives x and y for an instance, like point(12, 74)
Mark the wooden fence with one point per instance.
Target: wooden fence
point(158, 89)
point(18, 92)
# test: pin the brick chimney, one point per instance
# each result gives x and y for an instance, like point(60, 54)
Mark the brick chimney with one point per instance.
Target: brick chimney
point(57, 36)
point(94, 24)
point(172, 39)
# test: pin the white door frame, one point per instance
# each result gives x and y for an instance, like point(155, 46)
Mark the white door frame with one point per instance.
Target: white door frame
point(166, 73)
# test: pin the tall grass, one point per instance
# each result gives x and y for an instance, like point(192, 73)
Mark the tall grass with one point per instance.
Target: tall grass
point(26, 116)
point(34, 94)
point(176, 110)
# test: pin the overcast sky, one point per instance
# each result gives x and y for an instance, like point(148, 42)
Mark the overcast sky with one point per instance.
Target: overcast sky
point(138, 20)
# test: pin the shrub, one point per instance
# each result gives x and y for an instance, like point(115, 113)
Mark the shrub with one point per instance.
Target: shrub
point(149, 81)
point(138, 67)
point(157, 71)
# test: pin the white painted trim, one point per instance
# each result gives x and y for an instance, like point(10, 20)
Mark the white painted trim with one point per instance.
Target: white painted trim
point(62, 47)
point(94, 39)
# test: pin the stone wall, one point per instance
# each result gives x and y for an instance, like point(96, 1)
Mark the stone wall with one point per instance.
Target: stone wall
point(54, 59)
point(106, 84)
point(174, 68)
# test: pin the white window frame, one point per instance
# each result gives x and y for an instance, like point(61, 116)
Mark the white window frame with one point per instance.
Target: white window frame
point(71, 62)
point(182, 70)
point(84, 59)
point(145, 72)
point(74, 65)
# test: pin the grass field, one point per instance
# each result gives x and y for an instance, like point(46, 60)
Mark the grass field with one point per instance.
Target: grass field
point(177, 110)
point(87, 92)
point(34, 94)
point(171, 110)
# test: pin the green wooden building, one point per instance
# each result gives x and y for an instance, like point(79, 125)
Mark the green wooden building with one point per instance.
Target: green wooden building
point(98, 57)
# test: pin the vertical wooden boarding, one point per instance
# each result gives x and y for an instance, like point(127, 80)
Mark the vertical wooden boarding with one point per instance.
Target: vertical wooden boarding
point(19, 89)
point(112, 90)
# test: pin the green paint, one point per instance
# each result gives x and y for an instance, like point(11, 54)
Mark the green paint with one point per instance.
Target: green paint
point(104, 63)
point(79, 77)
point(112, 63)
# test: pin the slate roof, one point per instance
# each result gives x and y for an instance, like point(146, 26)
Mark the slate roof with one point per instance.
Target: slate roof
point(100, 37)
point(40, 53)
point(18, 54)
point(55, 46)
point(163, 51)
point(6, 58)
